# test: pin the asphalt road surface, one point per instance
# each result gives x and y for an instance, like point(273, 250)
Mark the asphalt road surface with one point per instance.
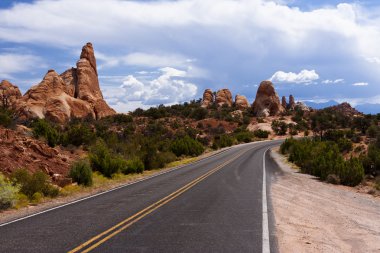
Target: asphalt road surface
point(214, 205)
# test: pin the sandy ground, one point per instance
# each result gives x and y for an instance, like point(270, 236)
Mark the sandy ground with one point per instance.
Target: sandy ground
point(312, 216)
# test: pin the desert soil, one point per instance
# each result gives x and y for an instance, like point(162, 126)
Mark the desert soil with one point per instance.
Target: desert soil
point(312, 216)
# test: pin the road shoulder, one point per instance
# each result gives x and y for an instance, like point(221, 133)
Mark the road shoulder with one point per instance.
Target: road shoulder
point(312, 216)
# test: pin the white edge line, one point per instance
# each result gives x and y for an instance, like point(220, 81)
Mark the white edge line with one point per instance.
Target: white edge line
point(122, 186)
point(111, 190)
point(266, 243)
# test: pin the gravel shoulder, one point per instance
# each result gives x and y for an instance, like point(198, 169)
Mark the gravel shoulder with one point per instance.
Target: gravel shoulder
point(313, 216)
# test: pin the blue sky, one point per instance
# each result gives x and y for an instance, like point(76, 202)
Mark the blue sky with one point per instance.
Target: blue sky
point(152, 52)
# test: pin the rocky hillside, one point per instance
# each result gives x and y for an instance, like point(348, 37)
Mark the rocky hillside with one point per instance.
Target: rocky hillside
point(61, 97)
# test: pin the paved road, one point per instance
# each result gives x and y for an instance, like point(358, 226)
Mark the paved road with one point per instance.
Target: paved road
point(214, 205)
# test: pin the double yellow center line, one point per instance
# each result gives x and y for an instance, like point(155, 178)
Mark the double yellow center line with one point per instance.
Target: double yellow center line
point(109, 233)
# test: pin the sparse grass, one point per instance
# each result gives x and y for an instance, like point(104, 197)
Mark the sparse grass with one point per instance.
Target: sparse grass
point(181, 162)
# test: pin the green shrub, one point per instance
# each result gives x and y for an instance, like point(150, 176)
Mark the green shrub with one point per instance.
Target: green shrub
point(261, 134)
point(134, 165)
point(81, 173)
point(79, 134)
point(104, 161)
point(244, 136)
point(32, 183)
point(186, 146)
point(37, 197)
point(222, 141)
point(353, 173)
point(122, 118)
point(323, 159)
point(8, 193)
point(5, 117)
point(279, 127)
point(345, 145)
point(199, 113)
point(42, 128)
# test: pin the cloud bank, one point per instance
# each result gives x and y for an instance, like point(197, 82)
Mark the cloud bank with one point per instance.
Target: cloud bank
point(228, 43)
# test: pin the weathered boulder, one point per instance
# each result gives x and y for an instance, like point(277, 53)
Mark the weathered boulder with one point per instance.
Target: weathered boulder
point(9, 94)
point(208, 98)
point(283, 102)
point(73, 94)
point(224, 97)
point(267, 102)
point(241, 102)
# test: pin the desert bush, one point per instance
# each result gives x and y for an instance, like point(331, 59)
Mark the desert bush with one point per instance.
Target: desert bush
point(42, 128)
point(323, 158)
point(372, 131)
point(222, 141)
point(199, 113)
point(5, 117)
point(102, 160)
point(134, 165)
point(186, 146)
point(81, 173)
point(8, 193)
point(79, 134)
point(279, 127)
point(122, 118)
point(261, 134)
point(345, 145)
point(244, 136)
point(32, 183)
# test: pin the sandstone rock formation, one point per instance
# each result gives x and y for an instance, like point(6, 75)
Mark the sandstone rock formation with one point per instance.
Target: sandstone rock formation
point(73, 94)
point(267, 102)
point(9, 94)
point(241, 102)
point(224, 97)
point(283, 102)
point(292, 103)
point(208, 98)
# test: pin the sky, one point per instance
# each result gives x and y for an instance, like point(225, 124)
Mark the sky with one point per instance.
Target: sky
point(166, 52)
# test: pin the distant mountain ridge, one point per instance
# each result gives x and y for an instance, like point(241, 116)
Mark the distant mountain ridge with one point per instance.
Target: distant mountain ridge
point(364, 108)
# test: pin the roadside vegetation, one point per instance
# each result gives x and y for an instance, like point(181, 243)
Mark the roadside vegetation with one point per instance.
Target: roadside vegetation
point(343, 150)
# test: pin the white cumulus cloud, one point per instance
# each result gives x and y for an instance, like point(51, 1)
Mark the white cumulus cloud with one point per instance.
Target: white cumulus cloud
point(303, 77)
point(360, 84)
point(171, 86)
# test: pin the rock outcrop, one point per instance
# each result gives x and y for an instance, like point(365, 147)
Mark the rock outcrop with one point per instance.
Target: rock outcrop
point(241, 102)
point(9, 94)
point(292, 103)
point(283, 102)
point(346, 109)
point(267, 102)
point(20, 151)
point(224, 97)
point(208, 98)
point(302, 106)
point(73, 94)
